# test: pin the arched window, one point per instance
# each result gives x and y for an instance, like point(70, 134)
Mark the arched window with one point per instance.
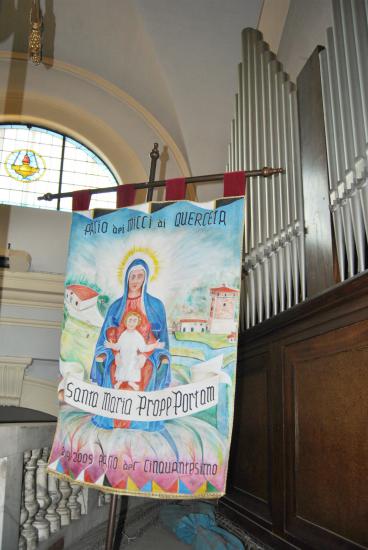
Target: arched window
point(35, 161)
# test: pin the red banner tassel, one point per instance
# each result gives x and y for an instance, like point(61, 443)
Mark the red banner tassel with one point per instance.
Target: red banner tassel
point(175, 189)
point(234, 184)
point(125, 195)
point(81, 199)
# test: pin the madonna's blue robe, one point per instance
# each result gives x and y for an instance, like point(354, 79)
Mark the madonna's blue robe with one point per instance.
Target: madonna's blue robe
point(161, 373)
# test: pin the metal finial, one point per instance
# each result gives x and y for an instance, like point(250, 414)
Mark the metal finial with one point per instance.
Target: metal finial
point(155, 153)
point(266, 171)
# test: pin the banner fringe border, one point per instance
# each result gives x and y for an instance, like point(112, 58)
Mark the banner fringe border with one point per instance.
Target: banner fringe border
point(121, 492)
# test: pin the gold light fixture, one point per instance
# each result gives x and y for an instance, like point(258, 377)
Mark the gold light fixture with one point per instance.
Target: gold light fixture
point(35, 35)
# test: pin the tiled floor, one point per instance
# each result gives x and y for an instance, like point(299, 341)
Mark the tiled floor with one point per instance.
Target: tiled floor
point(144, 531)
point(155, 538)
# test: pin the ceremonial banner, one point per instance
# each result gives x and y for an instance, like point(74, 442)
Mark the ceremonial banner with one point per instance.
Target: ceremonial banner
point(148, 349)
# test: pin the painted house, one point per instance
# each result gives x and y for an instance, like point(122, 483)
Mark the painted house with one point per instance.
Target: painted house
point(193, 325)
point(231, 337)
point(223, 312)
point(80, 296)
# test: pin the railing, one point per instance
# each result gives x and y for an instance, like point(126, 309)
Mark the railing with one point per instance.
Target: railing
point(37, 509)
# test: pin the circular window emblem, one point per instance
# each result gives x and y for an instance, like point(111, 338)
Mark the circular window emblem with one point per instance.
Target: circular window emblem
point(25, 165)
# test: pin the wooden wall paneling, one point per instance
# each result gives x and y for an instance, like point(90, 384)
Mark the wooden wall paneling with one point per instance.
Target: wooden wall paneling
point(249, 481)
point(277, 441)
point(318, 240)
point(316, 358)
point(326, 413)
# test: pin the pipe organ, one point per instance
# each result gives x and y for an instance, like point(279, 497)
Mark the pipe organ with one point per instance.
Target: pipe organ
point(299, 450)
point(265, 131)
point(344, 74)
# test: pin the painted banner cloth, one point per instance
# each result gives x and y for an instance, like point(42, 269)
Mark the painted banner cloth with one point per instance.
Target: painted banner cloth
point(148, 349)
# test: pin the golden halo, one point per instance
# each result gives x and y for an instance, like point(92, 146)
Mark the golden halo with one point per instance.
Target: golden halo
point(143, 253)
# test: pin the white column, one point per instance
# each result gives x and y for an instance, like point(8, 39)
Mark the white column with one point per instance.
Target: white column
point(29, 531)
point(11, 379)
point(51, 515)
point(62, 509)
point(74, 505)
point(41, 523)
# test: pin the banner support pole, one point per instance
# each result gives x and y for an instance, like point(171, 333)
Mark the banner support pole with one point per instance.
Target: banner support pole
point(265, 172)
point(155, 155)
point(110, 535)
point(111, 522)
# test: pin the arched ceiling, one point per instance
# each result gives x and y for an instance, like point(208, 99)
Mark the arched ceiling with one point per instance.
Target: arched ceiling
point(177, 58)
point(198, 44)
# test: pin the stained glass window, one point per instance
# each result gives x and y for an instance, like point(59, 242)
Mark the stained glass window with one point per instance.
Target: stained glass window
point(35, 161)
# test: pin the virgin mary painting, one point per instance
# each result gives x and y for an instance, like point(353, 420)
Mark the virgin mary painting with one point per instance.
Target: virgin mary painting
point(155, 373)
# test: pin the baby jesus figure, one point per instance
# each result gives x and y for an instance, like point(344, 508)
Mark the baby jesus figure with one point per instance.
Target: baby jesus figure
point(130, 349)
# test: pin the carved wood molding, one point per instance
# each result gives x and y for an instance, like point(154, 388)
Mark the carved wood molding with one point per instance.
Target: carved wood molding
point(348, 297)
point(11, 378)
point(32, 289)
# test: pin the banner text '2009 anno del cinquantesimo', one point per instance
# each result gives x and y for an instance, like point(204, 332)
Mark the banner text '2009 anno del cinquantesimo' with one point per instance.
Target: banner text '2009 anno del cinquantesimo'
point(148, 349)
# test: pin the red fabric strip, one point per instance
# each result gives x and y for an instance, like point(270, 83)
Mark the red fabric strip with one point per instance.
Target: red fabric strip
point(234, 184)
point(81, 199)
point(125, 195)
point(175, 189)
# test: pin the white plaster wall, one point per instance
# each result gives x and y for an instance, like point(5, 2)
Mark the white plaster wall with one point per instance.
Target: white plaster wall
point(110, 39)
point(198, 44)
point(272, 20)
point(30, 341)
point(31, 312)
point(44, 234)
point(305, 28)
point(106, 38)
point(31, 329)
point(44, 369)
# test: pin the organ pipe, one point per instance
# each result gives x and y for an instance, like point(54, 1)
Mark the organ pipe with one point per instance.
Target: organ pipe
point(344, 75)
point(265, 131)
